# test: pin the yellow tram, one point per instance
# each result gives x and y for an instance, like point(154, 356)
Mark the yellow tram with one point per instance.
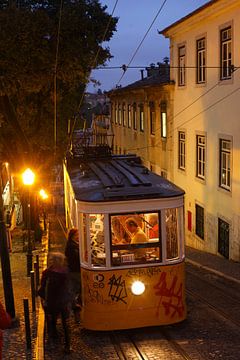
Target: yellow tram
point(131, 231)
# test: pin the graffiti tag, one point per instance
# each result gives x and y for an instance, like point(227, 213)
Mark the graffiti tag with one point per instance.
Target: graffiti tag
point(117, 290)
point(170, 297)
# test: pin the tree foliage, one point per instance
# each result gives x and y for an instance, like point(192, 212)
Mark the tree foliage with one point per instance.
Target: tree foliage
point(45, 40)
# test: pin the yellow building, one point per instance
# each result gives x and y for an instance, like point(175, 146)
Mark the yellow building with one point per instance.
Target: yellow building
point(140, 115)
point(204, 60)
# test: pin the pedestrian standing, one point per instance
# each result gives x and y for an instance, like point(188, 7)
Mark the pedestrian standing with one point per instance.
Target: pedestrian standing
point(55, 295)
point(5, 322)
point(73, 261)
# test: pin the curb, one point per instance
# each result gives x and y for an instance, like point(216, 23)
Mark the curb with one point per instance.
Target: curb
point(216, 272)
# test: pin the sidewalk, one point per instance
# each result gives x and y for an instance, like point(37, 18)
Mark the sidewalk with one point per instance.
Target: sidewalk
point(228, 269)
point(14, 340)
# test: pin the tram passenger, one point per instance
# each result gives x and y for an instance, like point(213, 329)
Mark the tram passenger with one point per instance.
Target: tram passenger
point(137, 236)
point(55, 296)
point(119, 235)
point(154, 229)
point(73, 261)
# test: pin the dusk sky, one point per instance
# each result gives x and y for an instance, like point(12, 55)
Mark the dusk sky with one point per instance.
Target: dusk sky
point(135, 18)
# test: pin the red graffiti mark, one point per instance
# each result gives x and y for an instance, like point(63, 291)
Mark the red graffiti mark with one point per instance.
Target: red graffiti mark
point(170, 297)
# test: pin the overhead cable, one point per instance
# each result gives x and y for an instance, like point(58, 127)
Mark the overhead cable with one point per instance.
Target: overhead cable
point(134, 54)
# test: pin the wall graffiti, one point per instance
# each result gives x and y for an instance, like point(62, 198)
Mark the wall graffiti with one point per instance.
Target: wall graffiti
point(117, 290)
point(170, 297)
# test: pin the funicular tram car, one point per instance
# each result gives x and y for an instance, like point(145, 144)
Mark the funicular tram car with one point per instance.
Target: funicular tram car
point(130, 223)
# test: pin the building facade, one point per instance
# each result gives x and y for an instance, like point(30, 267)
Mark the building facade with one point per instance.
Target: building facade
point(204, 61)
point(140, 115)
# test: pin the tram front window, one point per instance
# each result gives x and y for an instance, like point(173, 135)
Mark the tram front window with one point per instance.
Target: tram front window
point(135, 238)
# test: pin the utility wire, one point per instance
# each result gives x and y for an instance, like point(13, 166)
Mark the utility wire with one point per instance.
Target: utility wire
point(147, 66)
point(193, 117)
point(133, 56)
point(91, 67)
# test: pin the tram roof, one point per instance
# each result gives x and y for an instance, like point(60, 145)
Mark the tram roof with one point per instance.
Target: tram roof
point(115, 178)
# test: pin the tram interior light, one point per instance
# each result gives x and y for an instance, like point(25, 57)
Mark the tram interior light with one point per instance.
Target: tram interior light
point(138, 288)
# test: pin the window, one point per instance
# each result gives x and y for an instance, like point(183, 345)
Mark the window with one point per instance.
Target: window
point(199, 221)
point(135, 238)
point(181, 65)
point(129, 116)
point(201, 61)
point(223, 238)
point(201, 157)
point(124, 114)
point(163, 109)
point(116, 114)
point(134, 116)
point(181, 150)
point(225, 164)
point(141, 117)
point(172, 245)
point(98, 255)
point(152, 118)
point(119, 115)
point(226, 53)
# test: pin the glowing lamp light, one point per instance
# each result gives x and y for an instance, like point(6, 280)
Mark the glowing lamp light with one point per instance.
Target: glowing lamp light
point(28, 177)
point(138, 288)
point(43, 194)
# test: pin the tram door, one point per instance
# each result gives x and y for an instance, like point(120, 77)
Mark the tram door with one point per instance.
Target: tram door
point(223, 238)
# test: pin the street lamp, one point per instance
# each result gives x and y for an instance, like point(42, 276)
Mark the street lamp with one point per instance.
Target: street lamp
point(44, 197)
point(28, 179)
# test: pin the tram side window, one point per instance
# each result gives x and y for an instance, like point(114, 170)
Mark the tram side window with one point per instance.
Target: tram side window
point(98, 255)
point(135, 238)
point(172, 243)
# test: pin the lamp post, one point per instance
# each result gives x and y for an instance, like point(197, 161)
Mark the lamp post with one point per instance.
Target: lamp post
point(44, 197)
point(28, 179)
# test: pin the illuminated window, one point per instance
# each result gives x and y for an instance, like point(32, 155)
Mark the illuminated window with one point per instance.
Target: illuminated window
point(135, 238)
point(201, 61)
point(98, 255)
point(225, 164)
point(201, 157)
point(181, 65)
point(163, 108)
point(181, 150)
point(172, 243)
point(226, 53)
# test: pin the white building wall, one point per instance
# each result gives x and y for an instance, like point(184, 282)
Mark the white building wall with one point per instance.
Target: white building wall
point(211, 109)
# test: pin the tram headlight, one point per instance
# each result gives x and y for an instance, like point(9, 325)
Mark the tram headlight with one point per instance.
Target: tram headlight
point(138, 288)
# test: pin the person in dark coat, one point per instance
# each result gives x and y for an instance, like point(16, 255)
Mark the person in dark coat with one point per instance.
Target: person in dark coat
point(73, 261)
point(55, 295)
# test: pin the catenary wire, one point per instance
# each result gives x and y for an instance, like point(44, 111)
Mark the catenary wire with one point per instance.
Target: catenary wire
point(134, 54)
point(193, 102)
point(193, 117)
